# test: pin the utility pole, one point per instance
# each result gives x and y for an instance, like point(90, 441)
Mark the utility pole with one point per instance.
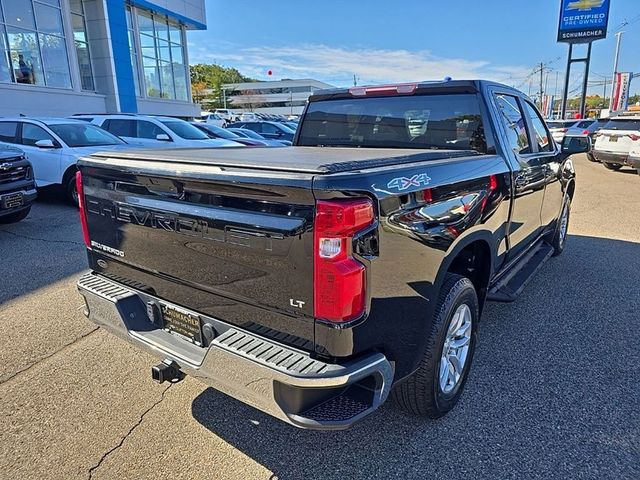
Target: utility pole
point(541, 85)
point(355, 80)
point(615, 67)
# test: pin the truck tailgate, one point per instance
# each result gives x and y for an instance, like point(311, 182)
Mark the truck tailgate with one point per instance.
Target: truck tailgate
point(230, 244)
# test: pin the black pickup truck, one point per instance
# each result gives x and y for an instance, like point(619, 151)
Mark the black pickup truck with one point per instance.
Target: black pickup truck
point(17, 185)
point(312, 282)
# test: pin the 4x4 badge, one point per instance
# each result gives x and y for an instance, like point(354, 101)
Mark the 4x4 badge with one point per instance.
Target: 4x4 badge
point(403, 183)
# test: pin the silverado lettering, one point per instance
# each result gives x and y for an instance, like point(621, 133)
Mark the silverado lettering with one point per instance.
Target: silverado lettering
point(182, 225)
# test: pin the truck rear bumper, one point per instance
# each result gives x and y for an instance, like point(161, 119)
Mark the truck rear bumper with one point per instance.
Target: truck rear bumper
point(279, 380)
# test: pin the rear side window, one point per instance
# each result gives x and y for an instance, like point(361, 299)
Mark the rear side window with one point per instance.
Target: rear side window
point(451, 121)
point(514, 124)
point(8, 131)
point(623, 124)
point(33, 133)
point(148, 130)
point(256, 127)
point(540, 132)
point(121, 128)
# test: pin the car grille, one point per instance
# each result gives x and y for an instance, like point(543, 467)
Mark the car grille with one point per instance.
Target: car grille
point(13, 174)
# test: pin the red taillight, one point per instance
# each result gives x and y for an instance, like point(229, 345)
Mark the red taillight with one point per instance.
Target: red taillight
point(585, 132)
point(633, 137)
point(83, 213)
point(339, 279)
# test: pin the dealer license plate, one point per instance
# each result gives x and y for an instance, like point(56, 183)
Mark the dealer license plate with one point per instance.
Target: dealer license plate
point(12, 200)
point(183, 323)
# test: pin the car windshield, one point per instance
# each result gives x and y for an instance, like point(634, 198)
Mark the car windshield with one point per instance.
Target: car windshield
point(417, 121)
point(185, 130)
point(221, 132)
point(84, 135)
point(286, 128)
point(623, 124)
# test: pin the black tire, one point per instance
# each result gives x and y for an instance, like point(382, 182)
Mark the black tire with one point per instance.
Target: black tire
point(612, 166)
point(15, 217)
point(421, 393)
point(591, 157)
point(559, 238)
point(70, 189)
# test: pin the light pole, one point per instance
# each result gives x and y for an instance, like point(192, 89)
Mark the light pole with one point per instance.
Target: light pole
point(615, 68)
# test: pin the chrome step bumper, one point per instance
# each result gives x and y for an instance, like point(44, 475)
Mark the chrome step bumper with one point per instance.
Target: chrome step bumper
point(277, 379)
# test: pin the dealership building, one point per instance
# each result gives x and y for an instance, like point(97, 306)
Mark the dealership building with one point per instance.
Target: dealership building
point(60, 57)
point(283, 97)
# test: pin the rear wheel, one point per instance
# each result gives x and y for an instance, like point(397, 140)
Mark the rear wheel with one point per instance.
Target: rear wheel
point(590, 157)
point(15, 217)
point(435, 387)
point(612, 166)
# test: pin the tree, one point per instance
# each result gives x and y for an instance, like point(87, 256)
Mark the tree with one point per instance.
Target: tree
point(199, 90)
point(213, 76)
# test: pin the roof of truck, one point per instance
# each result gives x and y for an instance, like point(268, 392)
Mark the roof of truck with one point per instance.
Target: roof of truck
point(319, 160)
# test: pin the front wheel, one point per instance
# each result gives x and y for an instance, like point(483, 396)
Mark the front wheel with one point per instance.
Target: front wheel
point(71, 190)
point(612, 166)
point(435, 387)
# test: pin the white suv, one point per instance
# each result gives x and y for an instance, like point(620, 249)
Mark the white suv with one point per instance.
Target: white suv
point(154, 132)
point(54, 145)
point(615, 141)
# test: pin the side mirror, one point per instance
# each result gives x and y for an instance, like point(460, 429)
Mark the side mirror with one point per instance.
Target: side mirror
point(571, 145)
point(163, 137)
point(45, 144)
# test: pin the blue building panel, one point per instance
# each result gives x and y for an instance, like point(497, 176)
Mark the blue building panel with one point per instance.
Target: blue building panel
point(121, 56)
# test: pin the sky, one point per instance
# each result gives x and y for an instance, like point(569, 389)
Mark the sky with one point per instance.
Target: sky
point(397, 41)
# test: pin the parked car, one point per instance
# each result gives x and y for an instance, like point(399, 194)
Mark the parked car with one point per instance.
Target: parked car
point(17, 185)
point(559, 128)
point(615, 141)
point(151, 131)
point(311, 281)
point(216, 132)
point(634, 158)
point(249, 117)
point(245, 132)
point(225, 114)
point(272, 130)
point(53, 146)
point(215, 119)
point(587, 128)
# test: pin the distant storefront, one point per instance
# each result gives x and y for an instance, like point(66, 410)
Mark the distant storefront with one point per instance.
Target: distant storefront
point(59, 57)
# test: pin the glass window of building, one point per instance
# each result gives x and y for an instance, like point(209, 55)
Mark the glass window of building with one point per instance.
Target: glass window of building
point(163, 59)
point(78, 22)
point(133, 50)
point(33, 43)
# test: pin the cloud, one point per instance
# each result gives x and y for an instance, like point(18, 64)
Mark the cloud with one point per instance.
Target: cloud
point(338, 64)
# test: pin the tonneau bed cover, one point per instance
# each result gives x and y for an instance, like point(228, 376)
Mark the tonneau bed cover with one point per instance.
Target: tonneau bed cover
point(317, 160)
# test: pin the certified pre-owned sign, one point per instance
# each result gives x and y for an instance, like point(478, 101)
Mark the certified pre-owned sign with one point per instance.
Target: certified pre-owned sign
point(583, 21)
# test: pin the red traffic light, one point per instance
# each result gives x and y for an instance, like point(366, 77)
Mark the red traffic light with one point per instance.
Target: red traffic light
point(269, 72)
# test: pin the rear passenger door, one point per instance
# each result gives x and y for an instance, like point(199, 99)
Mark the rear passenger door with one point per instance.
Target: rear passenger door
point(528, 174)
point(548, 154)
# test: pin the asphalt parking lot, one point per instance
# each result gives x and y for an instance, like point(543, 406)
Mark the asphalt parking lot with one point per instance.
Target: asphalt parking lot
point(553, 392)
